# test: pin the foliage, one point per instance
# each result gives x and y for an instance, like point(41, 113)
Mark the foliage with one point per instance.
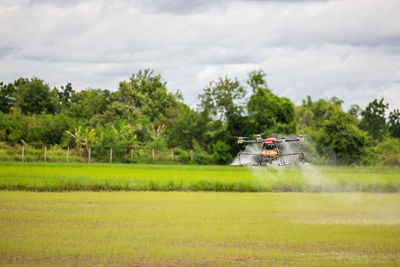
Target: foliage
point(221, 152)
point(14, 126)
point(221, 98)
point(48, 129)
point(147, 92)
point(157, 142)
point(340, 137)
point(389, 151)
point(335, 132)
point(78, 138)
point(142, 114)
point(87, 103)
point(34, 97)
point(394, 123)
point(89, 138)
point(65, 94)
point(270, 113)
point(373, 119)
point(256, 80)
point(126, 136)
point(187, 126)
point(7, 97)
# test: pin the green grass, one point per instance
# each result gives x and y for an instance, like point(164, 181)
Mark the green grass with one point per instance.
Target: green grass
point(139, 177)
point(199, 228)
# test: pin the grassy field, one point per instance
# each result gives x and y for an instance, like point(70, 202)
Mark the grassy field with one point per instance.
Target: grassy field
point(136, 177)
point(201, 228)
point(197, 228)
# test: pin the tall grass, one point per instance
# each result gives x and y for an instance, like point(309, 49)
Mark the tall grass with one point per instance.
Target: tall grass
point(138, 177)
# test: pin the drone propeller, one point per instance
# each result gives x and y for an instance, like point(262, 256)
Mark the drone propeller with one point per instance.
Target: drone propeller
point(241, 139)
point(258, 137)
point(299, 138)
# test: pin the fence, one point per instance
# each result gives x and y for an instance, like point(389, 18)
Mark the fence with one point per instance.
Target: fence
point(58, 154)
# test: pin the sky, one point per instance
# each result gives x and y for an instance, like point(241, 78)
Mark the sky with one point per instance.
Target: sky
point(344, 48)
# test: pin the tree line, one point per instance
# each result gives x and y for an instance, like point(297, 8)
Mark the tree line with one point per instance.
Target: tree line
point(143, 115)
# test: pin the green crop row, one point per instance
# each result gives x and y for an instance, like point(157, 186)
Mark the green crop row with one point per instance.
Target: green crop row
point(136, 177)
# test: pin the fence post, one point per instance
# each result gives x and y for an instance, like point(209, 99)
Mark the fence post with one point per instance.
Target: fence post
point(172, 154)
point(191, 154)
point(152, 153)
point(45, 153)
point(22, 154)
point(67, 154)
point(89, 154)
point(110, 155)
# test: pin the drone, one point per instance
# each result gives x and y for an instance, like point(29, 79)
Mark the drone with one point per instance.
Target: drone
point(270, 150)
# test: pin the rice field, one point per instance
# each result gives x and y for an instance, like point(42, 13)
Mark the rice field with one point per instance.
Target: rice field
point(199, 228)
point(50, 215)
point(140, 177)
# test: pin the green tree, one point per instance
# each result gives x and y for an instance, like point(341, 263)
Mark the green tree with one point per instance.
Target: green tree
point(394, 123)
point(373, 120)
point(222, 98)
point(14, 126)
point(335, 133)
point(341, 139)
point(221, 152)
point(312, 114)
point(157, 142)
point(65, 95)
point(146, 92)
point(78, 136)
point(89, 138)
point(7, 97)
point(187, 126)
point(34, 97)
point(47, 128)
point(269, 113)
point(88, 103)
point(126, 136)
point(106, 139)
point(355, 110)
point(256, 80)
point(389, 151)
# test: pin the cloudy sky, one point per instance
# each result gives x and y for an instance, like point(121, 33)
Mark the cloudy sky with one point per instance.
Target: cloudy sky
point(344, 48)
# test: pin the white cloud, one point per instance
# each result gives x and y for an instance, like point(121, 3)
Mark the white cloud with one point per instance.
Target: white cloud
point(344, 48)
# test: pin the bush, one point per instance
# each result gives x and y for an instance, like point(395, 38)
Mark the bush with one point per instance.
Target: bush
point(202, 157)
point(181, 155)
point(389, 151)
point(221, 152)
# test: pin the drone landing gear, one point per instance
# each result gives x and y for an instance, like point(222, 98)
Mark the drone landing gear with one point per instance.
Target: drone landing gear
point(282, 161)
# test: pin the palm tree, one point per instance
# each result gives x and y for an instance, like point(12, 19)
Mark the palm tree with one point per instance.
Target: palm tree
point(77, 135)
point(126, 135)
point(155, 134)
point(89, 138)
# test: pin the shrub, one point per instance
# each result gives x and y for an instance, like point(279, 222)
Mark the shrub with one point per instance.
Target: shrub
point(203, 158)
point(221, 152)
point(389, 151)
